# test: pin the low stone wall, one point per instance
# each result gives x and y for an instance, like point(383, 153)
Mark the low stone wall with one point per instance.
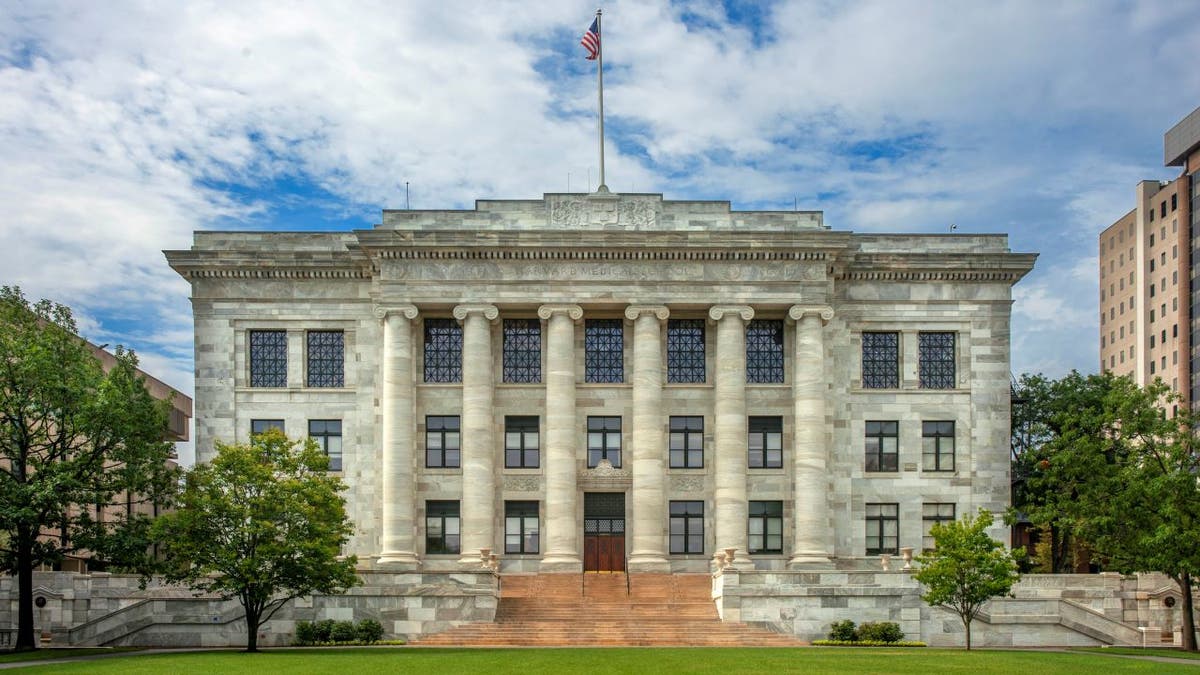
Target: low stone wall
point(104, 609)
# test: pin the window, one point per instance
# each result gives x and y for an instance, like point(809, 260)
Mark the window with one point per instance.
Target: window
point(1163, 210)
point(766, 527)
point(260, 426)
point(764, 351)
point(328, 435)
point(882, 446)
point(685, 350)
point(687, 527)
point(880, 360)
point(1152, 213)
point(522, 350)
point(604, 441)
point(268, 358)
point(441, 527)
point(326, 356)
point(932, 514)
point(936, 354)
point(883, 529)
point(765, 442)
point(443, 350)
point(521, 442)
point(1174, 202)
point(1151, 238)
point(442, 441)
point(1152, 262)
point(687, 442)
point(937, 446)
point(520, 527)
point(604, 350)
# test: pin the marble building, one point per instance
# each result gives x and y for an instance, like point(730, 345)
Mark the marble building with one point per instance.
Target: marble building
point(601, 381)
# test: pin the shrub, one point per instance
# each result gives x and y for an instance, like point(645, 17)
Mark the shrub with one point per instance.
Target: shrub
point(857, 643)
point(369, 631)
point(343, 631)
point(306, 633)
point(883, 631)
point(323, 630)
point(843, 631)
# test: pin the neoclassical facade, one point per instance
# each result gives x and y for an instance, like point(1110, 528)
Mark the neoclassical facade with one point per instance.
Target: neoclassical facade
point(602, 381)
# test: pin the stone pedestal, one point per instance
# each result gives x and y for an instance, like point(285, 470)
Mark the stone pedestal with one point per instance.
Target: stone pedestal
point(811, 544)
point(397, 540)
point(478, 505)
point(561, 527)
point(648, 551)
point(729, 412)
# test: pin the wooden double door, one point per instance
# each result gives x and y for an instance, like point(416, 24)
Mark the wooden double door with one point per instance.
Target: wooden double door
point(604, 532)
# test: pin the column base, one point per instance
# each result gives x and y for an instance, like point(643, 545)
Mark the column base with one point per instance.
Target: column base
point(398, 560)
point(649, 563)
point(560, 564)
point(810, 560)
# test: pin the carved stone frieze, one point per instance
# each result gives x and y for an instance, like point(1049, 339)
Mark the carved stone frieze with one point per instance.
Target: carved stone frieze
point(632, 212)
point(522, 483)
point(605, 476)
point(687, 483)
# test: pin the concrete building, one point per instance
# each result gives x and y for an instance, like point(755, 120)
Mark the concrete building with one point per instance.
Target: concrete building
point(1147, 289)
point(595, 381)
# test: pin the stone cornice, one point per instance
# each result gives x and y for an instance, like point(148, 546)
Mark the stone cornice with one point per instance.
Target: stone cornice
point(718, 312)
point(937, 267)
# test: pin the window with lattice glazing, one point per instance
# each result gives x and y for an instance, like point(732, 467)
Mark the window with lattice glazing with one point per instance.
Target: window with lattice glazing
point(326, 358)
point(882, 446)
point(937, 446)
point(687, 527)
point(936, 356)
point(328, 435)
point(765, 527)
point(522, 350)
point(443, 350)
point(521, 527)
point(933, 514)
point(883, 528)
point(685, 350)
point(441, 527)
point(764, 351)
point(604, 350)
point(686, 442)
point(880, 360)
point(268, 358)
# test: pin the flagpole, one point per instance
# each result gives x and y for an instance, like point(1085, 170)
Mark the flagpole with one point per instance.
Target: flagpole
point(602, 188)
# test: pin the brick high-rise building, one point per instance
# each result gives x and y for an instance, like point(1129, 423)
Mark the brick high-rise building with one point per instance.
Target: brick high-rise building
point(1147, 289)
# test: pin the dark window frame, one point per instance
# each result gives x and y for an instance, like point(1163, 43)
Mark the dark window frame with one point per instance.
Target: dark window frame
point(686, 432)
point(527, 539)
point(938, 516)
point(764, 351)
point(442, 348)
point(765, 513)
point(604, 350)
point(878, 435)
point(448, 516)
point(941, 433)
point(268, 357)
point(686, 351)
point(688, 517)
point(325, 358)
point(522, 351)
point(526, 449)
point(937, 359)
point(604, 429)
point(764, 428)
point(877, 518)
point(323, 434)
point(259, 426)
point(881, 360)
point(445, 428)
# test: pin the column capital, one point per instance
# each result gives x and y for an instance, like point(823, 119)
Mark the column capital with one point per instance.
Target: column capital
point(575, 312)
point(718, 312)
point(823, 312)
point(632, 312)
point(489, 312)
point(407, 311)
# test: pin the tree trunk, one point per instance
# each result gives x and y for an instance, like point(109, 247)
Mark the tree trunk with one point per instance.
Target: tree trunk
point(967, 624)
point(25, 637)
point(252, 619)
point(1188, 627)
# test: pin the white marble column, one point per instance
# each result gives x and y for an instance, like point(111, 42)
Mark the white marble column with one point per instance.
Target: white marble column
point(562, 552)
point(478, 506)
point(811, 518)
point(729, 411)
point(397, 539)
point(648, 530)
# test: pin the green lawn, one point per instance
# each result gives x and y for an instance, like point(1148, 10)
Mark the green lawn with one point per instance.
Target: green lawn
point(52, 653)
point(667, 661)
point(1134, 651)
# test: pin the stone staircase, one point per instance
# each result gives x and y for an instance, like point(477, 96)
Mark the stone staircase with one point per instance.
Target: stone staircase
point(565, 610)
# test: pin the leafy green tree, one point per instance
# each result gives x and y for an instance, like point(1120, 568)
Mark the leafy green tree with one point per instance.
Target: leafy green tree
point(74, 440)
point(263, 522)
point(966, 568)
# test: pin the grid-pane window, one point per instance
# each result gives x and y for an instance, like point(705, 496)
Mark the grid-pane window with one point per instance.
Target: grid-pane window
point(326, 358)
point(520, 527)
point(260, 426)
point(882, 444)
point(937, 446)
point(936, 354)
point(522, 350)
point(328, 435)
point(268, 358)
point(604, 350)
point(441, 527)
point(883, 528)
point(687, 442)
point(443, 442)
point(932, 514)
point(443, 350)
point(687, 527)
point(685, 350)
point(604, 441)
point(880, 360)
point(766, 527)
point(765, 442)
point(764, 351)
point(521, 442)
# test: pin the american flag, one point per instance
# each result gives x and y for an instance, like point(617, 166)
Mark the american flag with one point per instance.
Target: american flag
point(591, 40)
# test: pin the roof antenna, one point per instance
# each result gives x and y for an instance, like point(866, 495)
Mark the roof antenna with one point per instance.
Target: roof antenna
point(407, 203)
point(795, 203)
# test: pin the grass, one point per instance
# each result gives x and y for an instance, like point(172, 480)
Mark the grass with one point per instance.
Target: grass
point(1137, 651)
point(53, 653)
point(617, 660)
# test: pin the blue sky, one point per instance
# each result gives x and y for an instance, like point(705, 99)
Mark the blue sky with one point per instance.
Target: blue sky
point(126, 126)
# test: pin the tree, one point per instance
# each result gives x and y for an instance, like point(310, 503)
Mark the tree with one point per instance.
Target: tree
point(966, 568)
point(263, 522)
point(75, 442)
